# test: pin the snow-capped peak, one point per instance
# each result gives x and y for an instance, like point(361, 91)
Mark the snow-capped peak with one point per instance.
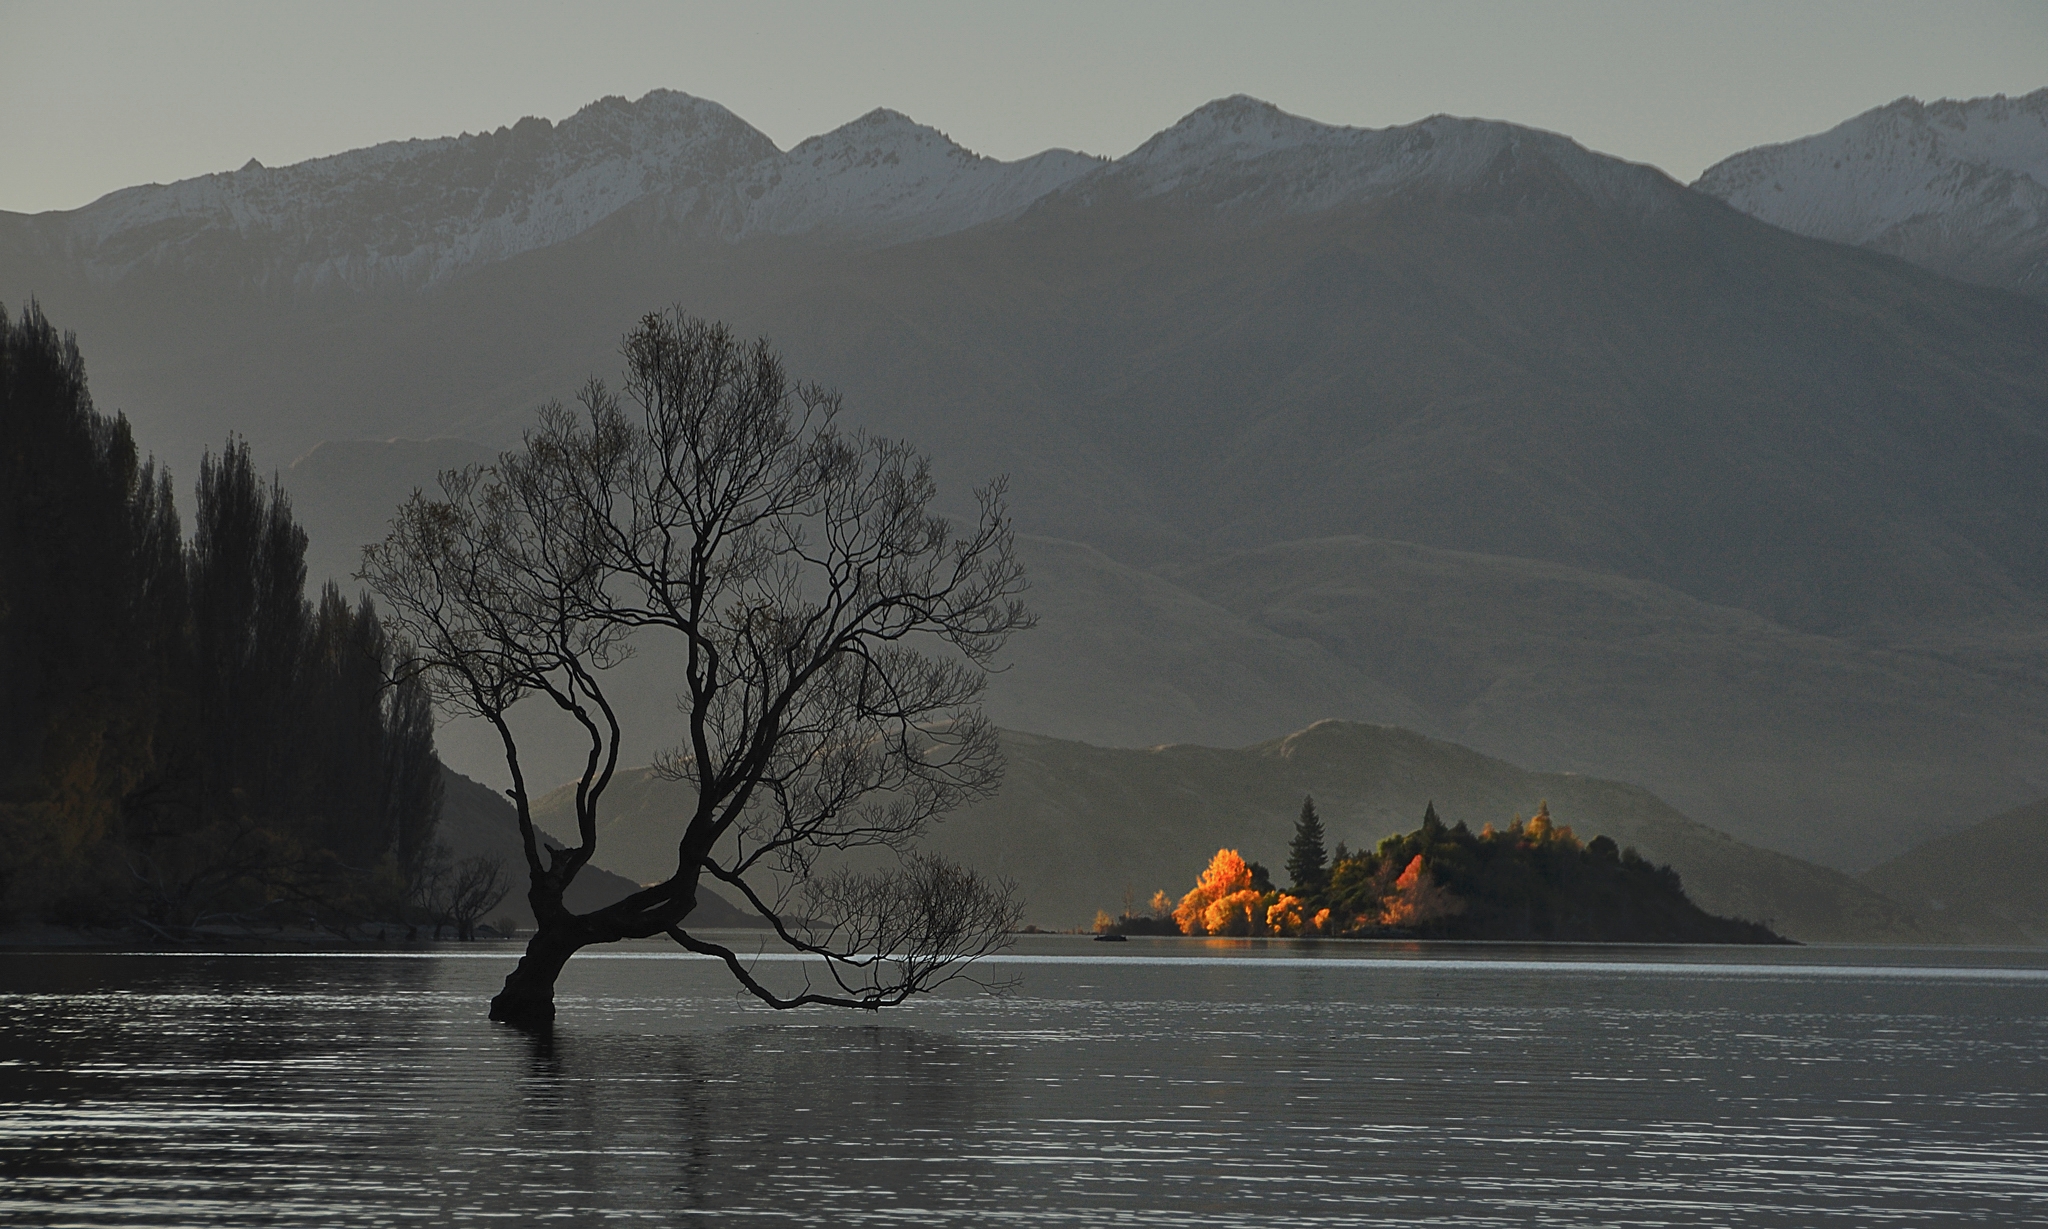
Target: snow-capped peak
point(885, 175)
point(414, 212)
point(1234, 129)
point(411, 213)
point(1961, 187)
point(2008, 133)
point(1241, 151)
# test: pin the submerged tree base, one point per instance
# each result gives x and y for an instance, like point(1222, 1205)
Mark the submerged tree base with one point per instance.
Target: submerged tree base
point(528, 997)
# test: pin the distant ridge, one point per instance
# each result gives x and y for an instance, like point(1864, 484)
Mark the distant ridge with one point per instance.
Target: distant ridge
point(1960, 187)
point(410, 214)
point(1243, 153)
point(1076, 825)
point(1988, 882)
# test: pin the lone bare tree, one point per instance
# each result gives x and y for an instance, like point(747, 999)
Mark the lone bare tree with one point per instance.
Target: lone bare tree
point(835, 636)
point(459, 892)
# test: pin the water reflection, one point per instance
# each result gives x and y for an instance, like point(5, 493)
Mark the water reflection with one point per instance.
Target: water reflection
point(143, 1090)
point(730, 1118)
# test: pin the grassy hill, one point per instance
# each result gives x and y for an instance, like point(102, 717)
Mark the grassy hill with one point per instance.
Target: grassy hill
point(1988, 882)
point(1788, 739)
point(1811, 744)
point(1078, 825)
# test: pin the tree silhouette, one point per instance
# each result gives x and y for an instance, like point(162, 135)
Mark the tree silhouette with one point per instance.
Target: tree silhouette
point(184, 738)
point(833, 633)
point(1307, 860)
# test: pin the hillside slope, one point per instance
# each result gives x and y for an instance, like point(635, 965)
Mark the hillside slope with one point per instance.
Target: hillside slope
point(477, 821)
point(1077, 825)
point(1988, 882)
point(1811, 736)
point(1524, 349)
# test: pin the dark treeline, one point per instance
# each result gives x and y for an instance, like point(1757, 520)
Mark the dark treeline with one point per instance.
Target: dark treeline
point(1532, 880)
point(185, 739)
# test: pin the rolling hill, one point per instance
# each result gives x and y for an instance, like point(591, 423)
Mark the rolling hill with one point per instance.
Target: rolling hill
point(1078, 826)
point(477, 821)
point(1988, 883)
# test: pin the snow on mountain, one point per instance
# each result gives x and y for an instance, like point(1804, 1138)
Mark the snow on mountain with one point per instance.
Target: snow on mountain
point(415, 212)
point(884, 175)
point(1960, 187)
point(1240, 151)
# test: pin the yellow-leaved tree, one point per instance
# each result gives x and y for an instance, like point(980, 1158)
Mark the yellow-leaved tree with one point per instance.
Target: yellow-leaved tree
point(1222, 900)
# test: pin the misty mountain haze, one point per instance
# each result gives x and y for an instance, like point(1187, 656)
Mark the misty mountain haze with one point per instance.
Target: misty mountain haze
point(1455, 425)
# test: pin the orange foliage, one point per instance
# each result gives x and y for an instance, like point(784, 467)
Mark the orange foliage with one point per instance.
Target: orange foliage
point(1283, 916)
point(1322, 921)
point(1235, 914)
point(1417, 899)
point(1542, 828)
point(1226, 879)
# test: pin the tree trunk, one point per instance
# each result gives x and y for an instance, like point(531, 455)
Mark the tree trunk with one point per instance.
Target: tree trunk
point(528, 999)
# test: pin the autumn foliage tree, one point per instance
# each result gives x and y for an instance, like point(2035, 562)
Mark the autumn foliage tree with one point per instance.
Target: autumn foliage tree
point(1534, 880)
point(1417, 899)
point(1223, 901)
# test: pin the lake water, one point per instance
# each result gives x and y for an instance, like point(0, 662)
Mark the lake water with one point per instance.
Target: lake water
point(1161, 1082)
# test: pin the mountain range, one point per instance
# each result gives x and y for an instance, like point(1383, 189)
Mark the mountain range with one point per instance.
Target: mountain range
point(1456, 425)
point(1956, 186)
point(413, 214)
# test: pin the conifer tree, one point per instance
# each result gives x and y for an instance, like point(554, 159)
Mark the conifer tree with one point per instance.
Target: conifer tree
point(1307, 863)
point(181, 732)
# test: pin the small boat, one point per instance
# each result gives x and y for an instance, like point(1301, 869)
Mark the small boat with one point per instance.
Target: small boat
point(1110, 938)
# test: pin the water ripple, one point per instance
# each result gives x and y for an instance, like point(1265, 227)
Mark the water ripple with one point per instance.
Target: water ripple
point(1147, 1090)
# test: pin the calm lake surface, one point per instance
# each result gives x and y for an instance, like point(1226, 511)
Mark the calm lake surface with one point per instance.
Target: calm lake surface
point(1157, 1082)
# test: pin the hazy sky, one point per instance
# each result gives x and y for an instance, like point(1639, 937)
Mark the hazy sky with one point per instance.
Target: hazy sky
point(99, 96)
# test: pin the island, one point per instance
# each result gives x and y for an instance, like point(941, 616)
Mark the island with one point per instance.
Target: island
point(1534, 880)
